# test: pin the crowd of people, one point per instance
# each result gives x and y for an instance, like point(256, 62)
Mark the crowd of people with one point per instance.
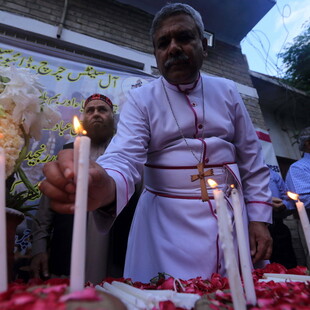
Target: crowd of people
point(172, 134)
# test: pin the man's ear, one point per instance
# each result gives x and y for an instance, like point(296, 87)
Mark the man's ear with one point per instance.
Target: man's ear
point(205, 46)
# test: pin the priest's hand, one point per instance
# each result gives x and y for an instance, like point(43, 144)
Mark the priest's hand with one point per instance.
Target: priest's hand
point(260, 241)
point(59, 185)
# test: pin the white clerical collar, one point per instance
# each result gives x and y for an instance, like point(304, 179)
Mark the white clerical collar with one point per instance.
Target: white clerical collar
point(183, 87)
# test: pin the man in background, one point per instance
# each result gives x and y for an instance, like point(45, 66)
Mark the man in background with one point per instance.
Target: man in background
point(52, 232)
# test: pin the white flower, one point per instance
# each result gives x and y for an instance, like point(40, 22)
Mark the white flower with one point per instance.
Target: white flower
point(21, 105)
point(11, 141)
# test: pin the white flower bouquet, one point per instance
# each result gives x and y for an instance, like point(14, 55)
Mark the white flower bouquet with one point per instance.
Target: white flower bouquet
point(23, 115)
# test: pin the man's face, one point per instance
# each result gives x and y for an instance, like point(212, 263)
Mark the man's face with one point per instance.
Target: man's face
point(98, 121)
point(178, 49)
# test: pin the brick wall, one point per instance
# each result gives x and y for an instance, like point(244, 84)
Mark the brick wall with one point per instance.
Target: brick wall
point(254, 110)
point(127, 26)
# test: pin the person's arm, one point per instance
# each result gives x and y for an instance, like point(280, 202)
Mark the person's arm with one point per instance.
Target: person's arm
point(287, 203)
point(59, 186)
point(280, 201)
point(125, 157)
point(255, 182)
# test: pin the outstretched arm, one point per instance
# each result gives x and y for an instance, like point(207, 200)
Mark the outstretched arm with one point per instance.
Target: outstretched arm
point(59, 186)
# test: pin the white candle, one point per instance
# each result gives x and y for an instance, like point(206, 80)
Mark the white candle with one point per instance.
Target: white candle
point(225, 229)
point(243, 250)
point(77, 272)
point(287, 277)
point(303, 217)
point(3, 250)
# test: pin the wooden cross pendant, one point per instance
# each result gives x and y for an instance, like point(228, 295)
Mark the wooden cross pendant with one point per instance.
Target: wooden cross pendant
point(201, 176)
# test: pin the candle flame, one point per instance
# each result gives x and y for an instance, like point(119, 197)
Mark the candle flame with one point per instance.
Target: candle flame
point(293, 195)
point(232, 186)
point(212, 183)
point(78, 128)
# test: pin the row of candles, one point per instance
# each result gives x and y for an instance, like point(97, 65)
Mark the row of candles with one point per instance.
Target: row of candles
point(77, 281)
point(240, 300)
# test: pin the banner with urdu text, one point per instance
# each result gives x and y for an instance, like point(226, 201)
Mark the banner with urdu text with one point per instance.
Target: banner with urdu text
point(66, 85)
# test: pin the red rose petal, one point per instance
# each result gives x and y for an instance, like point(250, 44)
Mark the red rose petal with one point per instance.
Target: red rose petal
point(88, 293)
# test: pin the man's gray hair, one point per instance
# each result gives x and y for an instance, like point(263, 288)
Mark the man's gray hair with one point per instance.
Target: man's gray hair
point(303, 137)
point(174, 9)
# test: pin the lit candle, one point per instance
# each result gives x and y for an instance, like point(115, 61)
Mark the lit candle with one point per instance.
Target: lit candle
point(225, 234)
point(302, 216)
point(3, 251)
point(243, 250)
point(77, 272)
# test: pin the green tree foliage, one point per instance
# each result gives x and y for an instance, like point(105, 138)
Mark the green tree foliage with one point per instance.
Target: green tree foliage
point(296, 58)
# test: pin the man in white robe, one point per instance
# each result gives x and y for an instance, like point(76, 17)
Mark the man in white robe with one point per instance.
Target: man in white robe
point(166, 129)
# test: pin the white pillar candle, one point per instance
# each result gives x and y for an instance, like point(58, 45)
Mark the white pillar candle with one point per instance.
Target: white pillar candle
point(225, 234)
point(3, 250)
point(243, 250)
point(77, 272)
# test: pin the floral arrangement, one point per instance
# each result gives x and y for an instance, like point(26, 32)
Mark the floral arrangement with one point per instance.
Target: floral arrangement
point(23, 115)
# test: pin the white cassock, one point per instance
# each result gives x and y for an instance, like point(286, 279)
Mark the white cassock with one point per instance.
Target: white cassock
point(173, 230)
